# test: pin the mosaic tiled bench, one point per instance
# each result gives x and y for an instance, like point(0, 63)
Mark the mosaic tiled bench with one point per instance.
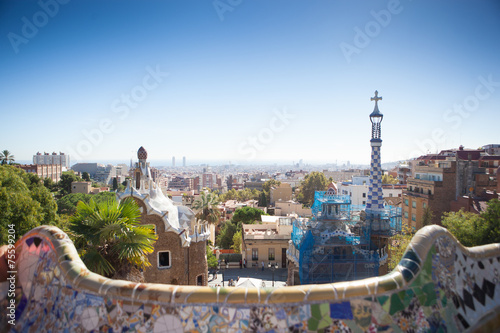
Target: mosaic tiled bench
point(439, 286)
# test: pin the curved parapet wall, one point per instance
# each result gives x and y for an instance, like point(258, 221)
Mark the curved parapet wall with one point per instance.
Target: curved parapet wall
point(438, 286)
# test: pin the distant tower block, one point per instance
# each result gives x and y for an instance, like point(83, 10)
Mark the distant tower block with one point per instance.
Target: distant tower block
point(184, 161)
point(173, 161)
point(375, 201)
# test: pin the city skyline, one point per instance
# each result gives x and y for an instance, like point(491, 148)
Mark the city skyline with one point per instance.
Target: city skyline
point(248, 82)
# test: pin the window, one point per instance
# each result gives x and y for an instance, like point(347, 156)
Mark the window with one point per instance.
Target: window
point(414, 204)
point(364, 202)
point(164, 259)
point(406, 202)
point(271, 253)
point(199, 280)
point(364, 195)
point(255, 254)
point(406, 215)
point(424, 205)
point(413, 217)
point(390, 195)
point(430, 192)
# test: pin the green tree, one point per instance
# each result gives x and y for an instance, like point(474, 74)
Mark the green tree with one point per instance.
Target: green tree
point(388, 179)
point(240, 195)
point(110, 239)
point(315, 181)
point(67, 178)
point(67, 204)
point(266, 187)
point(427, 216)
point(50, 185)
point(24, 202)
point(262, 200)
point(206, 207)
point(6, 157)
point(472, 229)
point(115, 184)
point(211, 258)
point(398, 244)
point(246, 215)
point(491, 219)
point(86, 176)
point(468, 228)
point(224, 239)
point(237, 242)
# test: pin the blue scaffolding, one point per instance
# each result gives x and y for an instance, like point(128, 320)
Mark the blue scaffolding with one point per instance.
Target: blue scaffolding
point(335, 244)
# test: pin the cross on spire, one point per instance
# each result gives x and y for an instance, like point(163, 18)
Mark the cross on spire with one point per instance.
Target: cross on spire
point(376, 99)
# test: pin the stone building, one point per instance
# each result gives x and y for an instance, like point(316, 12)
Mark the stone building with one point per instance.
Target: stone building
point(441, 179)
point(52, 171)
point(179, 255)
point(266, 242)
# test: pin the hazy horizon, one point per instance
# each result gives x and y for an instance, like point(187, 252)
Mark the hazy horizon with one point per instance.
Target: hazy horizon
point(250, 82)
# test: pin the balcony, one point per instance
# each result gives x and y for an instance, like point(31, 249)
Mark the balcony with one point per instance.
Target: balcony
point(266, 237)
point(417, 194)
point(424, 183)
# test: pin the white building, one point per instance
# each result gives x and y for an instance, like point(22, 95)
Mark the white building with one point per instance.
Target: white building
point(46, 159)
point(358, 190)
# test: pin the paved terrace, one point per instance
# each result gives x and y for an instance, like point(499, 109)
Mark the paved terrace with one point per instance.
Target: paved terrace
point(439, 286)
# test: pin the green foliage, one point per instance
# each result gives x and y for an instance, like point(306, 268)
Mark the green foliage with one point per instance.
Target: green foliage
point(240, 195)
point(206, 207)
point(491, 219)
point(246, 215)
point(68, 203)
point(427, 216)
point(24, 202)
point(467, 227)
point(224, 239)
point(6, 157)
point(86, 176)
point(109, 236)
point(211, 258)
point(398, 244)
point(50, 185)
point(67, 178)
point(315, 181)
point(270, 183)
point(237, 242)
point(472, 229)
point(231, 257)
point(388, 179)
point(115, 184)
point(262, 200)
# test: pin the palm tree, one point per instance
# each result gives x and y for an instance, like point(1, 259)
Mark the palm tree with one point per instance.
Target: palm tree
point(5, 157)
point(110, 239)
point(207, 204)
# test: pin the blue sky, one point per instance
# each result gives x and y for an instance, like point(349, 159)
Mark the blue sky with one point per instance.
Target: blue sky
point(247, 81)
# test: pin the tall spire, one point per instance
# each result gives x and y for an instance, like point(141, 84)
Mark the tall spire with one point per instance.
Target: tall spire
point(375, 196)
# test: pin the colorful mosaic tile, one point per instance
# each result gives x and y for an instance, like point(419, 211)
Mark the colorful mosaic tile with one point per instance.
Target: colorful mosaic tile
point(451, 288)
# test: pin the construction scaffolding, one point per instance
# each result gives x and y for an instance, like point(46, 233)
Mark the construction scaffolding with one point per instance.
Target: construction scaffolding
point(335, 244)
